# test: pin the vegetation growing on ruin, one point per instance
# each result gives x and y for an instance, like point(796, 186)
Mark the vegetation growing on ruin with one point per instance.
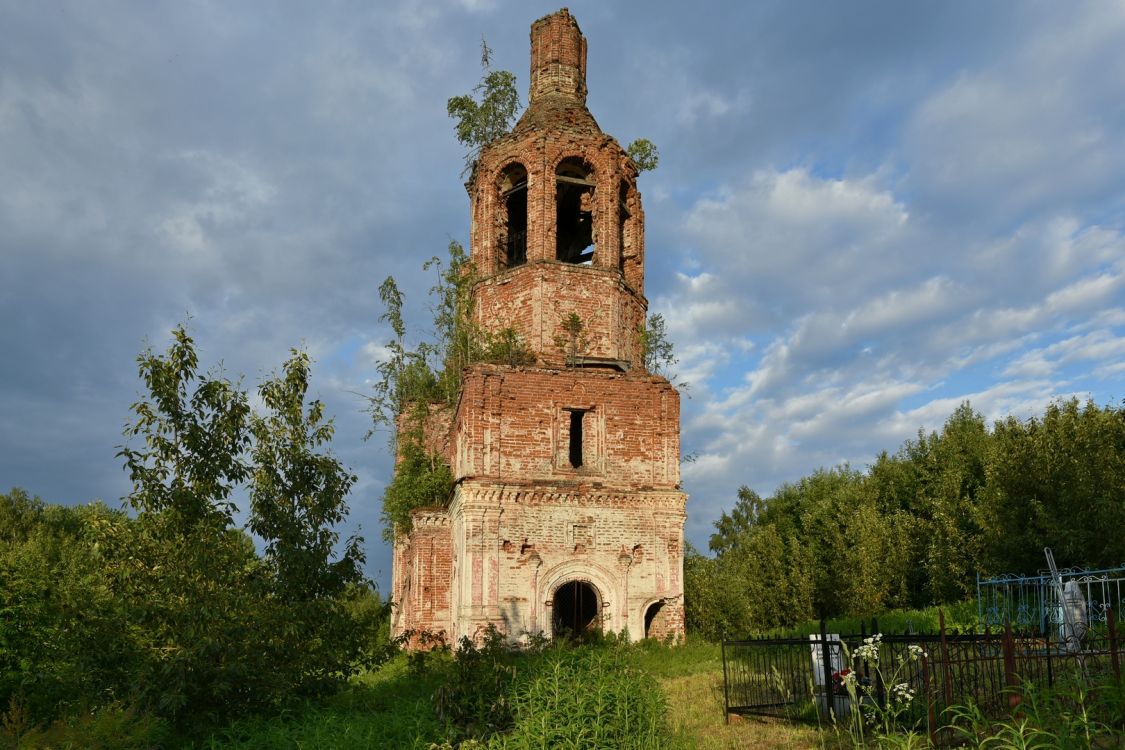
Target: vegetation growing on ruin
point(488, 111)
point(657, 351)
point(571, 340)
point(416, 380)
point(644, 154)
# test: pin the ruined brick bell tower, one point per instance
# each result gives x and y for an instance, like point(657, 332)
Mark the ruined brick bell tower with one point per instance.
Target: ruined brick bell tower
point(566, 513)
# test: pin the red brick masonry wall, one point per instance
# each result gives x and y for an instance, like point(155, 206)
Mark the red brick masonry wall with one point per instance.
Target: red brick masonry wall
point(567, 473)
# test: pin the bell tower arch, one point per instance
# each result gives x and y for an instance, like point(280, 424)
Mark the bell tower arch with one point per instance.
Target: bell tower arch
point(557, 223)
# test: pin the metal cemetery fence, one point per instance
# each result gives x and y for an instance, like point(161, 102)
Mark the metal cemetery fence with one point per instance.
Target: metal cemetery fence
point(800, 678)
point(1033, 601)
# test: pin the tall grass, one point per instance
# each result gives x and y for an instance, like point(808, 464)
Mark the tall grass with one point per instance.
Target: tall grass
point(388, 708)
point(1072, 714)
point(554, 696)
point(586, 698)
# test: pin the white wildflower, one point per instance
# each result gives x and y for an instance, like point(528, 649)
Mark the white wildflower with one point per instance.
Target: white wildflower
point(869, 651)
point(902, 692)
point(916, 652)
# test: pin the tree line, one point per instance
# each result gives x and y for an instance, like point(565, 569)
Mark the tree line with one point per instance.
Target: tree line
point(917, 526)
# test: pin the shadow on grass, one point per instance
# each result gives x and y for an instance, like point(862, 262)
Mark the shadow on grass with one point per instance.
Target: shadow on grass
point(387, 708)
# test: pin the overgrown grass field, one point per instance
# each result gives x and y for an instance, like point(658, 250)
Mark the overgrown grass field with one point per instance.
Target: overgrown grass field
point(599, 695)
point(606, 695)
point(593, 696)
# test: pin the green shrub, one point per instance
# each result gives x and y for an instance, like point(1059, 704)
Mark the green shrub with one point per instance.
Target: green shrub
point(111, 727)
point(173, 612)
point(63, 634)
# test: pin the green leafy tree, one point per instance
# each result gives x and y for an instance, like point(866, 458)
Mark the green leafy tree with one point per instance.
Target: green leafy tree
point(221, 630)
point(951, 467)
point(458, 340)
point(772, 589)
point(572, 342)
point(1058, 480)
point(298, 491)
point(173, 612)
point(417, 384)
point(488, 112)
point(715, 602)
point(195, 430)
point(194, 587)
point(201, 618)
point(63, 637)
point(731, 529)
point(919, 525)
point(644, 154)
point(894, 485)
point(657, 350)
point(389, 391)
point(413, 381)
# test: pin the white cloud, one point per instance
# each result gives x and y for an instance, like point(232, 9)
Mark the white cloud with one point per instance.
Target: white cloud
point(702, 105)
point(1101, 346)
point(1086, 294)
point(233, 193)
point(1027, 133)
point(871, 324)
point(868, 231)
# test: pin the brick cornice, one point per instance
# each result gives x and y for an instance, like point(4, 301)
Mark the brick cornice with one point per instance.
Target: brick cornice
point(481, 496)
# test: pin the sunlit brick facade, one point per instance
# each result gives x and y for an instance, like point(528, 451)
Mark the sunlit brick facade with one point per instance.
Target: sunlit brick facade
point(566, 512)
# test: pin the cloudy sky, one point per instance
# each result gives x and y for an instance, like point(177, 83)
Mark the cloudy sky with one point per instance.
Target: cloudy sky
point(865, 212)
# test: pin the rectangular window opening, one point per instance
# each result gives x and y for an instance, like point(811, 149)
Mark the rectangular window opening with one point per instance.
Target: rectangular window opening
point(576, 437)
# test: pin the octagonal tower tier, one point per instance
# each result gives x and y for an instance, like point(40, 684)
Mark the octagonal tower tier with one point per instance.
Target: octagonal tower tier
point(557, 224)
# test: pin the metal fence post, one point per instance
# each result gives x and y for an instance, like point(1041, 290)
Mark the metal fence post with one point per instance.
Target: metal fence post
point(1047, 648)
point(1011, 680)
point(1111, 621)
point(946, 681)
point(927, 693)
point(826, 660)
point(726, 685)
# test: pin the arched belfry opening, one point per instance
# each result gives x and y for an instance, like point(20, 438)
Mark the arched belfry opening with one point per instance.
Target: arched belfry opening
point(576, 608)
point(623, 216)
point(574, 212)
point(513, 194)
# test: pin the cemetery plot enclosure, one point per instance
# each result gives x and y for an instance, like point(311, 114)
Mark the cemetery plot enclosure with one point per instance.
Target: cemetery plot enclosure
point(797, 678)
point(1033, 601)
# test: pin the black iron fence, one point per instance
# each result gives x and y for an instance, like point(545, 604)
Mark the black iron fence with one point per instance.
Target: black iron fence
point(806, 677)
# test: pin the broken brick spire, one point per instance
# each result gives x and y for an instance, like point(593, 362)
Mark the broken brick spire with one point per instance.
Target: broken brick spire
point(558, 59)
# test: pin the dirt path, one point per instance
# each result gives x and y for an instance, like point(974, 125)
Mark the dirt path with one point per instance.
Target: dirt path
point(695, 705)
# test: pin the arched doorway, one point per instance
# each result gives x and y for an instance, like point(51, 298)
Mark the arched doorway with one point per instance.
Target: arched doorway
point(655, 626)
point(575, 610)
